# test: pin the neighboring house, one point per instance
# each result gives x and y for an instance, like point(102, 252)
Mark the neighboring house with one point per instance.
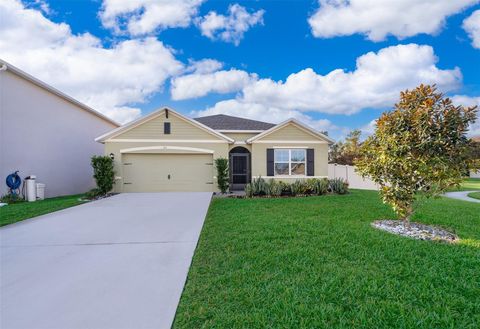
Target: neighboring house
point(46, 133)
point(166, 151)
point(473, 173)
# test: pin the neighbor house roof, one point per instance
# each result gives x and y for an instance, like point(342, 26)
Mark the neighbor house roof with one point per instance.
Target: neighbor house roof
point(222, 122)
point(476, 139)
point(9, 67)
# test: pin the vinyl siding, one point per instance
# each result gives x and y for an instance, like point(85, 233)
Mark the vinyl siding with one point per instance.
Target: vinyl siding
point(180, 129)
point(290, 132)
point(240, 137)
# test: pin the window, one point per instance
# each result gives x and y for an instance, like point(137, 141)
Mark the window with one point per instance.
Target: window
point(290, 162)
point(166, 128)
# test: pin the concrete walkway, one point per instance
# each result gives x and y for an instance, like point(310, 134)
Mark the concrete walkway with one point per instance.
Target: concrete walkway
point(115, 263)
point(461, 196)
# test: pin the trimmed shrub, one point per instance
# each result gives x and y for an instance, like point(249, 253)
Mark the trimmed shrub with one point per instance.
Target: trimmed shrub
point(222, 174)
point(338, 186)
point(103, 173)
point(249, 190)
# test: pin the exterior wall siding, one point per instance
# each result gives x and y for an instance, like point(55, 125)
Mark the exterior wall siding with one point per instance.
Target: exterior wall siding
point(290, 132)
point(42, 134)
point(180, 129)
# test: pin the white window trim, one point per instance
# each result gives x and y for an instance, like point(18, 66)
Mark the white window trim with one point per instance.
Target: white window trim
point(290, 162)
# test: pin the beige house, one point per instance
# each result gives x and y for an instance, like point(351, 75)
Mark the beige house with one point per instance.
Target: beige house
point(166, 151)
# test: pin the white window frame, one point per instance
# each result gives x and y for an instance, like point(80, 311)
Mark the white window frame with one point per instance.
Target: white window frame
point(290, 161)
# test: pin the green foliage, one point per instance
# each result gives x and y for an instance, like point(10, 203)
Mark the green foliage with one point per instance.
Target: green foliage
point(103, 173)
point(11, 198)
point(318, 186)
point(249, 190)
point(93, 193)
point(338, 186)
point(299, 187)
point(419, 148)
point(346, 153)
point(275, 188)
point(222, 174)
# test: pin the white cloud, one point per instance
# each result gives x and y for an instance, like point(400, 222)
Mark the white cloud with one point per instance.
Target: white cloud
point(264, 113)
point(229, 28)
point(472, 26)
point(207, 65)
point(378, 19)
point(108, 79)
point(200, 84)
point(375, 83)
point(140, 17)
point(469, 101)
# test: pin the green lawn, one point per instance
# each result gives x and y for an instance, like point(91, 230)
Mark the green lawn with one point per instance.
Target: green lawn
point(317, 263)
point(475, 195)
point(24, 210)
point(469, 184)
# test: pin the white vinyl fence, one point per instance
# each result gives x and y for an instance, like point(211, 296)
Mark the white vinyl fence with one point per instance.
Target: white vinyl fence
point(351, 176)
point(474, 174)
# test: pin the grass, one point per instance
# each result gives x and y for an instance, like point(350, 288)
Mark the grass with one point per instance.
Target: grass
point(23, 210)
point(475, 195)
point(469, 184)
point(317, 263)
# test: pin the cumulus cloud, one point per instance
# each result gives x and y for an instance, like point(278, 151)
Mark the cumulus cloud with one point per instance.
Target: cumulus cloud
point(375, 83)
point(232, 27)
point(472, 26)
point(378, 19)
point(264, 113)
point(206, 65)
point(469, 101)
point(200, 84)
point(140, 17)
point(109, 79)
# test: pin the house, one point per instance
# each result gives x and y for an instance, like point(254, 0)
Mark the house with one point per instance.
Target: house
point(46, 133)
point(167, 151)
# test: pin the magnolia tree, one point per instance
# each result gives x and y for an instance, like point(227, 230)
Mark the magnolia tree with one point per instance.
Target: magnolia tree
point(418, 148)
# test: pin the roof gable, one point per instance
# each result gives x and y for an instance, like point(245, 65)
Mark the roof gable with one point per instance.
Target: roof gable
point(222, 122)
point(148, 120)
point(286, 125)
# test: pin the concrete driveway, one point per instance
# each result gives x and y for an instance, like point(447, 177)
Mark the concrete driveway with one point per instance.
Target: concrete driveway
point(119, 262)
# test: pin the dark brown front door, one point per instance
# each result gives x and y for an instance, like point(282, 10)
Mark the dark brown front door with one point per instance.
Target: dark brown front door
point(239, 170)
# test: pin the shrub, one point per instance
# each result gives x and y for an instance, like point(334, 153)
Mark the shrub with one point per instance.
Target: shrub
point(222, 174)
point(248, 190)
point(299, 187)
point(259, 186)
point(93, 193)
point(319, 186)
point(338, 186)
point(103, 173)
point(275, 188)
point(11, 198)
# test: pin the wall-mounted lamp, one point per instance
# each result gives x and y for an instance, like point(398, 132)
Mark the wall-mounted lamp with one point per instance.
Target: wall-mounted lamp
point(112, 156)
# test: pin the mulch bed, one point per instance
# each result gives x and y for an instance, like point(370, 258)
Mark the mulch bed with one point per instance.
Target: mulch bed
point(416, 231)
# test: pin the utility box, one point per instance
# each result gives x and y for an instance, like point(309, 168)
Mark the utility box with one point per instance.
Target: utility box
point(30, 188)
point(40, 191)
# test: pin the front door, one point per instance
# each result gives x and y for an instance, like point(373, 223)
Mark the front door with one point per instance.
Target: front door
point(239, 171)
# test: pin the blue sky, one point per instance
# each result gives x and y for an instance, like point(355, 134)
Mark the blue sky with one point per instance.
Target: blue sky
point(266, 43)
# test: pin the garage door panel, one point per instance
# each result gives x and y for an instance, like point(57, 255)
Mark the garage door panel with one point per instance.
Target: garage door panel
point(167, 172)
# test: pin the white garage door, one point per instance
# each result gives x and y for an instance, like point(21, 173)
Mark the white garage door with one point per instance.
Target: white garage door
point(167, 172)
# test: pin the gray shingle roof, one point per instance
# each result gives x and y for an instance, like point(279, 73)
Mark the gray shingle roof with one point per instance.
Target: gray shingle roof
point(227, 122)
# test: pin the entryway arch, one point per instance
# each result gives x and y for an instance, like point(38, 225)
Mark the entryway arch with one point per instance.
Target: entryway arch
point(240, 168)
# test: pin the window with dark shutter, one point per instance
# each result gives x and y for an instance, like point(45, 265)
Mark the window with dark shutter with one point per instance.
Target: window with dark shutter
point(270, 162)
point(166, 128)
point(310, 162)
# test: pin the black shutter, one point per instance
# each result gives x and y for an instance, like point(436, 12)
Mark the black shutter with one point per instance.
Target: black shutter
point(310, 162)
point(166, 128)
point(270, 156)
